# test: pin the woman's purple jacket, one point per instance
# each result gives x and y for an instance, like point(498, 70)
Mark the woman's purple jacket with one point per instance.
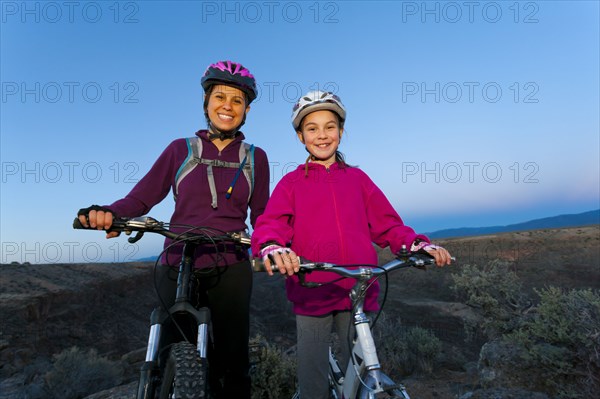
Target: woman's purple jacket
point(193, 205)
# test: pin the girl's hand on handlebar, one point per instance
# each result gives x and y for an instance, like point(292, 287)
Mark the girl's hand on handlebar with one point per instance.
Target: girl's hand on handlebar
point(285, 259)
point(441, 255)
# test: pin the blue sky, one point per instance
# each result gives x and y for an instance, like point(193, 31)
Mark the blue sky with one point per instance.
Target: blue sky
point(464, 113)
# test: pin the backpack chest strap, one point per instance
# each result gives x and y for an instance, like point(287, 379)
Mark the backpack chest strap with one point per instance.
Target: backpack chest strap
point(217, 163)
point(193, 159)
point(210, 163)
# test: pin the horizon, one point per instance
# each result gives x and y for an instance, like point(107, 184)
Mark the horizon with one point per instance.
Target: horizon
point(523, 221)
point(153, 257)
point(465, 115)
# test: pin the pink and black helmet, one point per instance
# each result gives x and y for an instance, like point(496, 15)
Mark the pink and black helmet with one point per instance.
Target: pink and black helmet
point(232, 74)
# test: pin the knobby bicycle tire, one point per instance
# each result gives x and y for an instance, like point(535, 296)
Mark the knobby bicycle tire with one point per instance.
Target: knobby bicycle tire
point(185, 375)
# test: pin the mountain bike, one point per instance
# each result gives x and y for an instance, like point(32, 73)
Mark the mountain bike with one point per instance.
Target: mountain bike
point(363, 378)
point(180, 368)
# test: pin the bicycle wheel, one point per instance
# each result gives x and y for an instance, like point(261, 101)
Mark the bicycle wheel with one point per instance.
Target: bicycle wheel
point(185, 374)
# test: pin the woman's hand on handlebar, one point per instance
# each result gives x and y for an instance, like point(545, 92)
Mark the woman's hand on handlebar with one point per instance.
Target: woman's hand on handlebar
point(95, 217)
point(285, 259)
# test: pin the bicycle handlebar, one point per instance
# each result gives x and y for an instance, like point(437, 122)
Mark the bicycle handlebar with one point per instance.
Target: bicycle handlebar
point(358, 271)
point(147, 224)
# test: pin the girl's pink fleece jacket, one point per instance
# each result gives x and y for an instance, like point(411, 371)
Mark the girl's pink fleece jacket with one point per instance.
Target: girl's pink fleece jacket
point(330, 215)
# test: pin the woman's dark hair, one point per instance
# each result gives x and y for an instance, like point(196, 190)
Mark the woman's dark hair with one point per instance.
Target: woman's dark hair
point(207, 94)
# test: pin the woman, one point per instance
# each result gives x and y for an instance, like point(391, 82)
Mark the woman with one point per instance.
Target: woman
point(208, 194)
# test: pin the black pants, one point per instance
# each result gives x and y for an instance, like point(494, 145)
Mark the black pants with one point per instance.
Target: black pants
point(226, 292)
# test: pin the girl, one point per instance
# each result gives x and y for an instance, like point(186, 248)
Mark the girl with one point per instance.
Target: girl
point(208, 199)
point(327, 211)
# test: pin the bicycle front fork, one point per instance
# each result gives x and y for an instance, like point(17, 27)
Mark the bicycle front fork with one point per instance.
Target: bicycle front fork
point(150, 369)
point(148, 372)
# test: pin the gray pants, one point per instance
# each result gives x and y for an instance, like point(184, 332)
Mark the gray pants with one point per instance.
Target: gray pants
point(314, 339)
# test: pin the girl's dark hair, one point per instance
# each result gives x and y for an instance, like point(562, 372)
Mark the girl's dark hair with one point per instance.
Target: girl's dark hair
point(340, 159)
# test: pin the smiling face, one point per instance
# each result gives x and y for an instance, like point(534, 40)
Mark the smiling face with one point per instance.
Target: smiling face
point(226, 107)
point(320, 132)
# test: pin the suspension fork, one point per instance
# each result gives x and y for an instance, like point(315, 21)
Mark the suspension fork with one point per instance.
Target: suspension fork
point(150, 368)
point(147, 382)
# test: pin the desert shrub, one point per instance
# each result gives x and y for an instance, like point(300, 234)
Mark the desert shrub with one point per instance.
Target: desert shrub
point(274, 376)
point(423, 349)
point(403, 351)
point(496, 291)
point(562, 341)
point(75, 374)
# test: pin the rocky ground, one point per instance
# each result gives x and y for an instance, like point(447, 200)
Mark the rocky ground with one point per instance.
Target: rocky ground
point(45, 309)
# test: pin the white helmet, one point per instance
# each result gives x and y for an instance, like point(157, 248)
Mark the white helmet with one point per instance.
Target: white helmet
point(315, 101)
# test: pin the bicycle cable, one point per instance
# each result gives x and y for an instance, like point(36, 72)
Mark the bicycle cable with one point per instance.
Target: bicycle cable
point(182, 239)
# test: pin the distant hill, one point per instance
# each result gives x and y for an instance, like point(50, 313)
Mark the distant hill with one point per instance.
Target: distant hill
point(147, 259)
point(573, 220)
point(554, 222)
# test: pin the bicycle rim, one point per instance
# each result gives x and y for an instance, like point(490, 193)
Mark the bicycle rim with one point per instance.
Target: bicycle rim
point(185, 374)
point(388, 389)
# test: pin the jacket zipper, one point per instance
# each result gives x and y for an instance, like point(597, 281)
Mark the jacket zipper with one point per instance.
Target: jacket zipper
point(337, 218)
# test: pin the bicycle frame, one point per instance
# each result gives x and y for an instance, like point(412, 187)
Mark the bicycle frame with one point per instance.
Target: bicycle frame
point(181, 309)
point(181, 313)
point(363, 377)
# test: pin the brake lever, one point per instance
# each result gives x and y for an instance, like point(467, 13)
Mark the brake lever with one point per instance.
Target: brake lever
point(138, 236)
point(419, 264)
point(302, 278)
point(242, 238)
point(405, 255)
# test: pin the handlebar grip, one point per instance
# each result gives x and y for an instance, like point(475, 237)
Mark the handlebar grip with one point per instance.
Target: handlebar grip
point(77, 224)
point(117, 225)
point(259, 266)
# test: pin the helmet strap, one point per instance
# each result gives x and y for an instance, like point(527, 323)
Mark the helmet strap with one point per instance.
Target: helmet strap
point(215, 133)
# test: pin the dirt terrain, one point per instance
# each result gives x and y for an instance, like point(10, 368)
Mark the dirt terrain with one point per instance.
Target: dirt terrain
point(45, 309)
